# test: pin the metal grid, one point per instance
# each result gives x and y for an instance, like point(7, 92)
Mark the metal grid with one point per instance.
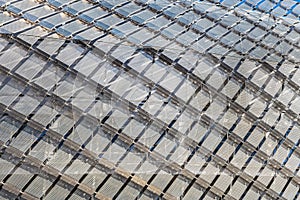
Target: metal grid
point(149, 99)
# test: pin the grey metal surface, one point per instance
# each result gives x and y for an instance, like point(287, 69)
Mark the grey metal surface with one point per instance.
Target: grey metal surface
point(149, 99)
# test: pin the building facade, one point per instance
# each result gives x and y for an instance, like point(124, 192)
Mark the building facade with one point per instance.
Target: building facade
point(158, 99)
